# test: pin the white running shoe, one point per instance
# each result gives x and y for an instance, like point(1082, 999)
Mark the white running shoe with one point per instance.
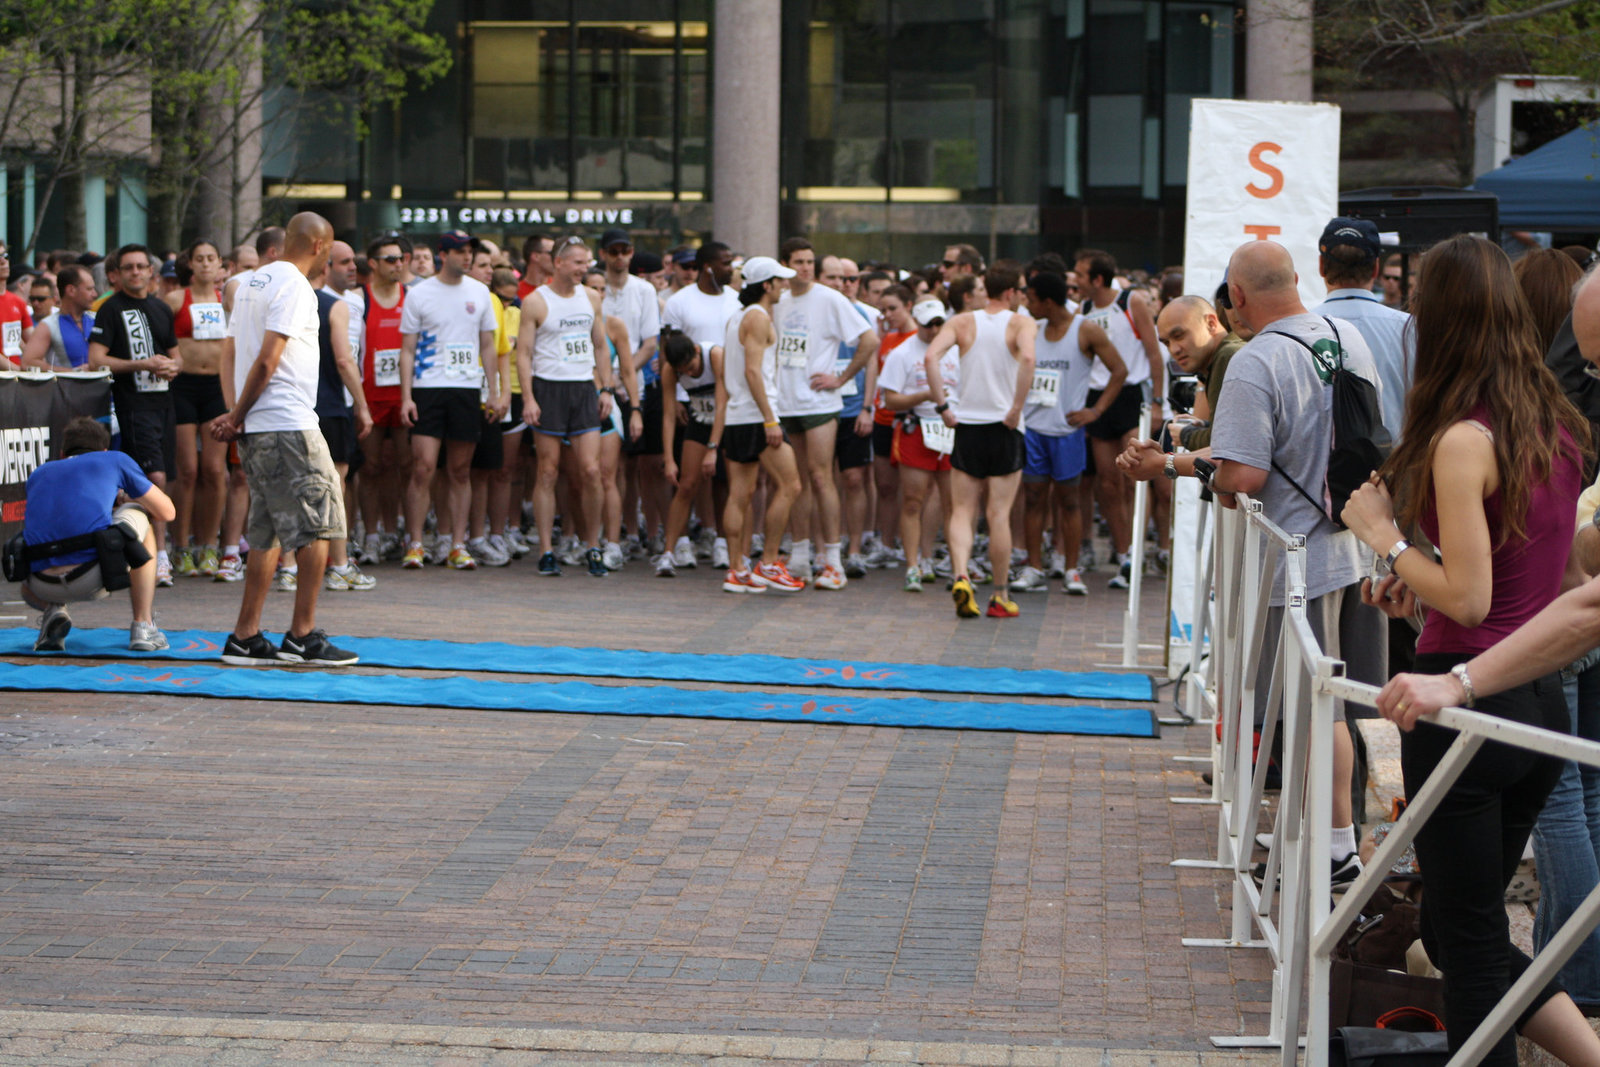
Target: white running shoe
point(719, 554)
point(683, 554)
point(1057, 566)
point(572, 552)
point(486, 553)
point(664, 566)
point(1030, 580)
point(1074, 585)
point(613, 556)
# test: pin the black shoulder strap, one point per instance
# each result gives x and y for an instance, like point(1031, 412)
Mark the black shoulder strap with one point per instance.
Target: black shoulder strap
point(1321, 508)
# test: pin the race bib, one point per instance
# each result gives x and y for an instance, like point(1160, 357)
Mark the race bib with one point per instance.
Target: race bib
point(938, 437)
point(11, 339)
point(141, 347)
point(461, 361)
point(703, 407)
point(386, 367)
point(849, 388)
point(208, 322)
point(146, 382)
point(792, 349)
point(1046, 389)
point(577, 348)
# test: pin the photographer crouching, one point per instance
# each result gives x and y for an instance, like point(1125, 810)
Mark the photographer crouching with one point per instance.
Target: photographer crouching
point(78, 544)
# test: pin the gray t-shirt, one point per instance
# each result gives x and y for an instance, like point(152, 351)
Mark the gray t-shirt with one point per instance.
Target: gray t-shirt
point(1277, 409)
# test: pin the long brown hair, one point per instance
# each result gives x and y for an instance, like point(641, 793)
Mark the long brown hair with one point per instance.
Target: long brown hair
point(1546, 278)
point(1477, 344)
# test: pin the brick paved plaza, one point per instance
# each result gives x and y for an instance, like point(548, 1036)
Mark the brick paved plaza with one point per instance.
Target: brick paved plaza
point(192, 880)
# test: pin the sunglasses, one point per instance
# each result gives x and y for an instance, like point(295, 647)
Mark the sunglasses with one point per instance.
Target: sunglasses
point(950, 263)
point(1391, 277)
point(390, 259)
point(850, 279)
point(570, 241)
point(1591, 370)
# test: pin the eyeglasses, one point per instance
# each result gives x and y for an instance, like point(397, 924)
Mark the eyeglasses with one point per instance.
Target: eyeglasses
point(390, 259)
point(950, 264)
point(570, 241)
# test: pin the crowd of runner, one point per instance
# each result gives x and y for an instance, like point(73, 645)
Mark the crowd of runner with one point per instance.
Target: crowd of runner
point(792, 420)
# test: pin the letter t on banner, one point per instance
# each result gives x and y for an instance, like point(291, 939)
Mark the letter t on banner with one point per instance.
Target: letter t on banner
point(1259, 172)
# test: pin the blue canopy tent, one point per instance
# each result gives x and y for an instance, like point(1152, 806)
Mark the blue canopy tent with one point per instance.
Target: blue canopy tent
point(1555, 187)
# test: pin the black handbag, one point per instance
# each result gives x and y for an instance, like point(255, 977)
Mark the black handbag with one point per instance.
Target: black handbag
point(1363, 1046)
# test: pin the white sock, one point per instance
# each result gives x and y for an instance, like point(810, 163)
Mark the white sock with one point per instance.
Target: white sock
point(162, 555)
point(293, 568)
point(830, 553)
point(231, 550)
point(800, 550)
point(683, 542)
point(1343, 841)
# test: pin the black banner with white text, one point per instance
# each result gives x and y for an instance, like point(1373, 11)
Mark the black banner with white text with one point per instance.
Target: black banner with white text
point(34, 410)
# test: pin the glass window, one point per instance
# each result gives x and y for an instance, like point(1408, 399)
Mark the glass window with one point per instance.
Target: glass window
point(1116, 87)
point(623, 112)
point(520, 92)
point(842, 149)
point(942, 91)
point(1199, 63)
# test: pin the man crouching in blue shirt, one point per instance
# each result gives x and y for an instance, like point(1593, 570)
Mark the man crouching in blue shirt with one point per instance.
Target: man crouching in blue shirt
point(74, 497)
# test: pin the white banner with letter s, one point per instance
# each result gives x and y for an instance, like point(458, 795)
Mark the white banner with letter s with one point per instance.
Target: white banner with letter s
point(1259, 171)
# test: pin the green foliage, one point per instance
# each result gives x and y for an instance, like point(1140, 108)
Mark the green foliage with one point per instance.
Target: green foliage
point(366, 50)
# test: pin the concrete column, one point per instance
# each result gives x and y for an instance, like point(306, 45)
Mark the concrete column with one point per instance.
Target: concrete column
point(1278, 50)
point(745, 92)
point(94, 210)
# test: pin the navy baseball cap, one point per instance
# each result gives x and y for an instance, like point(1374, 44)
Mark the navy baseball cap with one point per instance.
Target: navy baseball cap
point(454, 239)
point(1357, 233)
point(685, 257)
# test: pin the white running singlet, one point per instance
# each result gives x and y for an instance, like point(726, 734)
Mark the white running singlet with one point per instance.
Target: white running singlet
point(988, 372)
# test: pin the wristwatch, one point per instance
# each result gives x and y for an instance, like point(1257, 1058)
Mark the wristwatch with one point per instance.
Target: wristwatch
point(1171, 468)
point(1468, 697)
point(940, 409)
point(1394, 554)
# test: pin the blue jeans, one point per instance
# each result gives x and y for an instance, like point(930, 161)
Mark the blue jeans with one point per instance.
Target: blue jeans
point(1566, 839)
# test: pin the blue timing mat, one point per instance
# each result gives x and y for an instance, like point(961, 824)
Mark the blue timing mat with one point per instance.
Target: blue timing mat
point(332, 687)
point(501, 658)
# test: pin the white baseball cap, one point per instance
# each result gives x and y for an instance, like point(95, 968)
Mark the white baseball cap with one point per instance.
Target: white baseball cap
point(764, 268)
point(926, 311)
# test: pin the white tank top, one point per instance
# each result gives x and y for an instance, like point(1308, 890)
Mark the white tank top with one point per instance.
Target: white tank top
point(563, 349)
point(988, 372)
point(699, 393)
point(1115, 322)
point(742, 406)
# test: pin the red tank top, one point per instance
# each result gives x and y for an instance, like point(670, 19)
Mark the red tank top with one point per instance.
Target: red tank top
point(380, 355)
point(1527, 572)
point(183, 321)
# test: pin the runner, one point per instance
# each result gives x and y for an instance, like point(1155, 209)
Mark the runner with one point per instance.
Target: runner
point(1066, 350)
point(894, 305)
point(202, 486)
point(920, 446)
point(752, 438)
point(484, 522)
point(813, 322)
point(996, 346)
point(16, 323)
point(561, 355)
point(700, 312)
point(133, 338)
point(632, 301)
point(446, 352)
point(538, 263)
point(342, 413)
point(61, 342)
point(852, 451)
point(295, 503)
point(388, 446)
point(621, 425)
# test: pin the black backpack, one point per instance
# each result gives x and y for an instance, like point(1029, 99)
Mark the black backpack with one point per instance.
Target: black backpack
point(1360, 442)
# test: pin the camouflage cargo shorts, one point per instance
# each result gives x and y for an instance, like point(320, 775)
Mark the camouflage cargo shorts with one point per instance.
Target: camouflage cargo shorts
point(295, 497)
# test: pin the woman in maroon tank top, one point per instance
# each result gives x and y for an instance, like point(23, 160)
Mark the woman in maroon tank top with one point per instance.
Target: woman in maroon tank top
point(1489, 468)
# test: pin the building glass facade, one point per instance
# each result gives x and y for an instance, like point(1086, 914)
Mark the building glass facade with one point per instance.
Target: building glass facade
point(1012, 125)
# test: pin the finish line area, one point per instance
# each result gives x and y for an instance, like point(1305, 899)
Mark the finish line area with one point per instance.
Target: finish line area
point(724, 887)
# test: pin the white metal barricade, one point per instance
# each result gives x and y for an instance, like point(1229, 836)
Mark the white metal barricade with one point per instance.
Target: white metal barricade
point(1278, 910)
point(1130, 617)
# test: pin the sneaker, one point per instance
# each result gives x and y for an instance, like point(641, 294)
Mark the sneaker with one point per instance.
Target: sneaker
point(255, 651)
point(742, 582)
point(461, 559)
point(1030, 580)
point(572, 553)
point(439, 555)
point(966, 600)
point(548, 567)
point(656, 546)
point(597, 563)
point(348, 579)
point(145, 637)
point(705, 544)
point(913, 580)
point(758, 545)
point(800, 567)
point(515, 543)
point(1120, 579)
point(719, 554)
point(664, 566)
point(394, 547)
point(941, 567)
point(1056, 566)
point(229, 569)
point(484, 552)
point(1346, 871)
point(185, 567)
point(1001, 608)
point(777, 578)
point(978, 571)
point(502, 549)
point(371, 552)
point(683, 554)
point(53, 629)
point(163, 572)
point(855, 566)
point(613, 556)
point(1086, 556)
point(830, 577)
point(1074, 585)
point(313, 650)
point(285, 581)
point(415, 558)
point(208, 562)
